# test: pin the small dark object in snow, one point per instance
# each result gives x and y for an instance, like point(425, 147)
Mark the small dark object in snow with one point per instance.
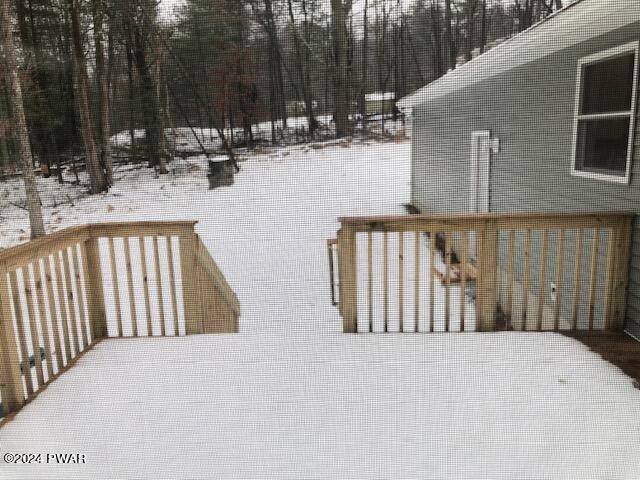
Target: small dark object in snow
point(636, 384)
point(220, 174)
point(562, 380)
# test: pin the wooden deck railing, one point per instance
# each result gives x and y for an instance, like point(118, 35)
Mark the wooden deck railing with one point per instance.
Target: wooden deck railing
point(62, 293)
point(530, 271)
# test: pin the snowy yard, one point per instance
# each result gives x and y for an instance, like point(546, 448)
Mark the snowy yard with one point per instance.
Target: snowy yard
point(292, 397)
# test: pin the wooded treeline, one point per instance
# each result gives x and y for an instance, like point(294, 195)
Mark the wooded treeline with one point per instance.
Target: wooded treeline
point(88, 69)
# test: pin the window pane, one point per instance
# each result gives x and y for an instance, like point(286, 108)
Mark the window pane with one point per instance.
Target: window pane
point(608, 85)
point(602, 145)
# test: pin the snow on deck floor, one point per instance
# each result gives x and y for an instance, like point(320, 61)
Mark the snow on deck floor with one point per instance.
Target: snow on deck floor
point(506, 405)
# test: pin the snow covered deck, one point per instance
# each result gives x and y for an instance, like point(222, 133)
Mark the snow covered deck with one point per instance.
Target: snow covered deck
point(506, 405)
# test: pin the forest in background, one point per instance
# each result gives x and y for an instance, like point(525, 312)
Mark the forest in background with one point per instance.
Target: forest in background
point(77, 72)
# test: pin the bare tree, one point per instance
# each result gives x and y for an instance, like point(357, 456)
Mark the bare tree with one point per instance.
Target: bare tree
point(102, 82)
point(339, 12)
point(20, 124)
point(449, 39)
point(145, 36)
point(483, 27)
point(278, 97)
point(97, 177)
point(302, 72)
point(365, 67)
point(436, 39)
point(469, 9)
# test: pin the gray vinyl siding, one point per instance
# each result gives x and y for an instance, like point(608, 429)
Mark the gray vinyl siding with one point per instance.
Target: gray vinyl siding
point(530, 109)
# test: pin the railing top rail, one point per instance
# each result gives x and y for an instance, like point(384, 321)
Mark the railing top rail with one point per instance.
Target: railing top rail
point(470, 221)
point(133, 229)
point(59, 237)
point(52, 241)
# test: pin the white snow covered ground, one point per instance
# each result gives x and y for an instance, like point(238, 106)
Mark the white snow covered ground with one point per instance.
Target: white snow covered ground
point(292, 397)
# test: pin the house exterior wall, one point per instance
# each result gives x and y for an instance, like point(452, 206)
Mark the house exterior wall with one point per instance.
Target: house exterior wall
point(530, 109)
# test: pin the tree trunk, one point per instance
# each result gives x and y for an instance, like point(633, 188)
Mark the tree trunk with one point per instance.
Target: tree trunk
point(102, 81)
point(157, 78)
point(34, 206)
point(436, 39)
point(470, 12)
point(276, 60)
point(364, 83)
point(144, 27)
point(97, 178)
point(306, 90)
point(448, 36)
point(339, 11)
point(483, 28)
point(131, 85)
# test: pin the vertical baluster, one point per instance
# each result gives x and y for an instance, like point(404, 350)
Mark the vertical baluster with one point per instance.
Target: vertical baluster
point(463, 279)
point(559, 279)
point(156, 257)
point(55, 321)
point(332, 273)
point(62, 299)
point(401, 280)
point(70, 298)
point(416, 292)
point(595, 251)
point(577, 272)
point(542, 279)
point(22, 338)
point(510, 267)
point(132, 295)
point(77, 261)
point(432, 271)
point(116, 286)
point(385, 274)
point(172, 284)
point(624, 236)
point(145, 283)
point(44, 326)
point(370, 279)
point(447, 287)
point(612, 240)
point(525, 283)
point(35, 340)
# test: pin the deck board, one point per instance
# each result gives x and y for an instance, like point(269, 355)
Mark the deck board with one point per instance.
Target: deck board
point(619, 349)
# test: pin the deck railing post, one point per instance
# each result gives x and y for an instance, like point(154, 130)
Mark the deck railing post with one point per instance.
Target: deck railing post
point(95, 292)
point(621, 277)
point(193, 316)
point(10, 376)
point(348, 284)
point(487, 300)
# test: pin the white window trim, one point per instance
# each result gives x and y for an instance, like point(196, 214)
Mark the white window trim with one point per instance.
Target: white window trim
point(600, 56)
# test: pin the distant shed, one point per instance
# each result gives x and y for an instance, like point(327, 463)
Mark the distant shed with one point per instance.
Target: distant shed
point(380, 103)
